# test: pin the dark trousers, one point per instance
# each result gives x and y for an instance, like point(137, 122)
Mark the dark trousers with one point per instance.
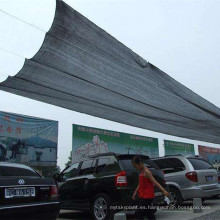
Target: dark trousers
point(145, 209)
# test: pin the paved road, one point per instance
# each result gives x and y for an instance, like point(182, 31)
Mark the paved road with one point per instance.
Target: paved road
point(184, 214)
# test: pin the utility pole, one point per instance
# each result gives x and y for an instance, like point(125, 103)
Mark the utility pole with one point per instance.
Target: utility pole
point(128, 148)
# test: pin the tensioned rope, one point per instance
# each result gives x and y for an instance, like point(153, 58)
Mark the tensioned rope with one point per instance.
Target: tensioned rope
point(22, 21)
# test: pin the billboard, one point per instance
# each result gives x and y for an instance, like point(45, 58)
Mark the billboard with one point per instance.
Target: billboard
point(28, 140)
point(89, 141)
point(173, 147)
point(211, 154)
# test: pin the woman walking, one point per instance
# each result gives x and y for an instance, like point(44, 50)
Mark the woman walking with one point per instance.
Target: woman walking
point(145, 190)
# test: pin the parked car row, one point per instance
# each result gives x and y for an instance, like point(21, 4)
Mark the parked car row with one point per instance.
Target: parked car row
point(101, 182)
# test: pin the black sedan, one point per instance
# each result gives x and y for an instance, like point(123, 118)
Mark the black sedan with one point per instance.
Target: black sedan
point(25, 194)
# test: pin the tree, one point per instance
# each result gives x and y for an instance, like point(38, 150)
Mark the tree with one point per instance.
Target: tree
point(68, 163)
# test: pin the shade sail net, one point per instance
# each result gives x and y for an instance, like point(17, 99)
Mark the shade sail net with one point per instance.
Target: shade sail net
point(82, 68)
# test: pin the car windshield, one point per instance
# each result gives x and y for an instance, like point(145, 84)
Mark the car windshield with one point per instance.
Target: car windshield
point(6, 171)
point(200, 164)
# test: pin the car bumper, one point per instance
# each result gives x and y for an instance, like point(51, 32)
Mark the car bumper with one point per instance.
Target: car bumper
point(196, 192)
point(30, 208)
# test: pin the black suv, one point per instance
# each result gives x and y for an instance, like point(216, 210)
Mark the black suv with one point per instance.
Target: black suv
point(102, 182)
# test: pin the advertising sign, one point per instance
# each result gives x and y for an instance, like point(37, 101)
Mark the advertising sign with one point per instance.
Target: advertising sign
point(211, 154)
point(28, 140)
point(173, 147)
point(89, 141)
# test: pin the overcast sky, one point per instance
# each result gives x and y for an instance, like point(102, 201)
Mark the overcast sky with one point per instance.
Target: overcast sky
point(180, 37)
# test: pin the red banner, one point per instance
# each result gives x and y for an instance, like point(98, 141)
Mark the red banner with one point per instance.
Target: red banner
point(210, 153)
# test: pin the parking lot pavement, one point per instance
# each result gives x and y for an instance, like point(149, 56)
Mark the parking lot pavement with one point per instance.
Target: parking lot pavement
point(66, 214)
point(211, 212)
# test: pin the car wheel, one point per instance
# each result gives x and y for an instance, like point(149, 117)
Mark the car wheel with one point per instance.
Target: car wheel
point(175, 197)
point(100, 207)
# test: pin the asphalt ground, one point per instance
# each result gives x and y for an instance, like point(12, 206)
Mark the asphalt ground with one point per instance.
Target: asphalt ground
point(211, 211)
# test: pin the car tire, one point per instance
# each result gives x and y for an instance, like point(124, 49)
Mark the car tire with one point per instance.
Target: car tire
point(176, 198)
point(100, 207)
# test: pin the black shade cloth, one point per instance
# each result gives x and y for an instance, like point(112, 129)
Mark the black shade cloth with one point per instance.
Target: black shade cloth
point(82, 68)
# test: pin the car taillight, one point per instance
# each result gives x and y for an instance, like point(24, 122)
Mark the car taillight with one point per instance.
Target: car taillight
point(121, 179)
point(192, 176)
point(53, 192)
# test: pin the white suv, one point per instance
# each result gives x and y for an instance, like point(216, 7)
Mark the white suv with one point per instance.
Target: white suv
point(188, 177)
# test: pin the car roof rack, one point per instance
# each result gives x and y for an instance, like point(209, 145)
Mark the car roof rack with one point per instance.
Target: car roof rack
point(102, 154)
point(110, 154)
point(194, 156)
point(132, 155)
point(106, 154)
point(169, 155)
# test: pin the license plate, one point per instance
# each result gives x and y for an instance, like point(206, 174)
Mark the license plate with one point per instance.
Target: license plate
point(209, 178)
point(19, 192)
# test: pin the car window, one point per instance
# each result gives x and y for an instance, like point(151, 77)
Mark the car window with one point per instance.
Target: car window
point(127, 164)
point(200, 164)
point(112, 165)
point(88, 167)
point(170, 165)
point(107, 165)
point(71, 171)
point(6, 171)
point(101, 164)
